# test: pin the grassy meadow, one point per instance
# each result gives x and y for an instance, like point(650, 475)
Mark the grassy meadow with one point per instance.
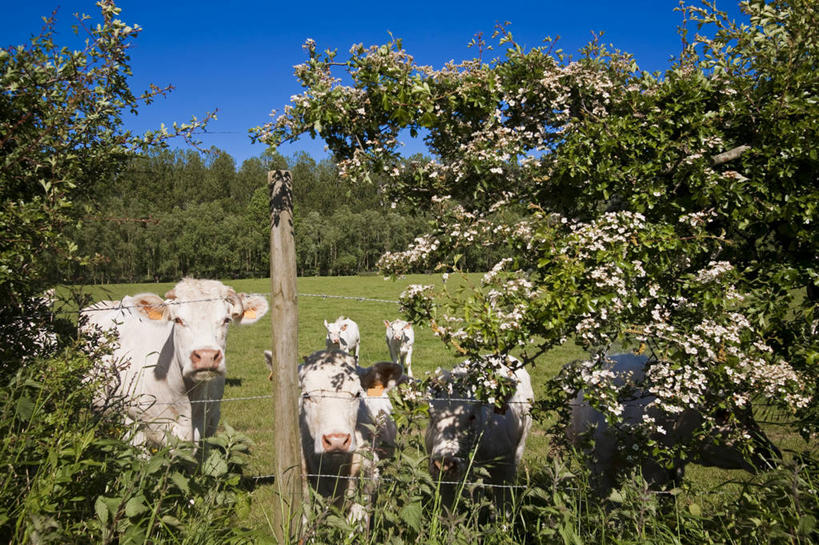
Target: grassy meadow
point(247, 373)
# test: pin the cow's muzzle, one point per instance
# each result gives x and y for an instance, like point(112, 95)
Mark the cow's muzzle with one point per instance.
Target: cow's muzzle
point(336, 442)
point(445, 467)
point(206, 359)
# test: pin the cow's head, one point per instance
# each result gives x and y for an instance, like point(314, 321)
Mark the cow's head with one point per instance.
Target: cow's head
point(201, 311)
point(457, 420)
point(332, 388)
point(398, 330)
point(336, 336)
point(455, 423)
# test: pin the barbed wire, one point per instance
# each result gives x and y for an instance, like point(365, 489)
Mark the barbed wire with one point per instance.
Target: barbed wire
point(353, 297)
point(346, 397)
point(392, 480)
point(92, 308)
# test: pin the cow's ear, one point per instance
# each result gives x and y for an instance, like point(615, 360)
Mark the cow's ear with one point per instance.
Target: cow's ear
point(387, 323)
point(255, 306)
point(268, 359)
point(409, 325)
point(150, 306)
point(381, 377)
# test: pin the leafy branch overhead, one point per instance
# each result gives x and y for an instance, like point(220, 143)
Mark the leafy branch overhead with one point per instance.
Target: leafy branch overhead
point(61, 135)
point(675, 210)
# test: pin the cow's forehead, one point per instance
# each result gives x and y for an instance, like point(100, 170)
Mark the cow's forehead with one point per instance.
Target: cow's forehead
point(195, 297)
point(205, 309)
point(329, 376)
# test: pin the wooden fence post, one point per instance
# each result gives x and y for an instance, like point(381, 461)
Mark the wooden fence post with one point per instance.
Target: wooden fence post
point(284, 316)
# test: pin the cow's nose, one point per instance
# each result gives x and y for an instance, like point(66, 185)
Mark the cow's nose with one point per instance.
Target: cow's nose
point(336, 442)
point(206, 359)
point(445, 465)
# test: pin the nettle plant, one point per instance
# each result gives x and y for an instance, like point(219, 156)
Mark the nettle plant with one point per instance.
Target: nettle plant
point(673, 211)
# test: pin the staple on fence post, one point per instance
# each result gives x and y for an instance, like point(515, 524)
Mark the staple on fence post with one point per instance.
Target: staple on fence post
point(284, 315)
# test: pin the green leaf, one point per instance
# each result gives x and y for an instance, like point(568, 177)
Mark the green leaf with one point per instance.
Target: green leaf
point(616, 496)
point(101, 509)
point(806, 525)
point(215, 465)
point(413, 515)
point(181, 482)
point(24, 409)
point(695, 509)
point(135, 506)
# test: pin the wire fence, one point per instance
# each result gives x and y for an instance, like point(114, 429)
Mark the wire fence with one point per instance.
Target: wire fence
point(118, 306)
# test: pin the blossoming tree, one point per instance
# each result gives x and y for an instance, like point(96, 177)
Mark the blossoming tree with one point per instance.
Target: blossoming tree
point(673, 212)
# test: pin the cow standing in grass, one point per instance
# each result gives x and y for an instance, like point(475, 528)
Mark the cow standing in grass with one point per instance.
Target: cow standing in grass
point(605, 455)
point(343, 335)
point(400, 339)
point(170, 356)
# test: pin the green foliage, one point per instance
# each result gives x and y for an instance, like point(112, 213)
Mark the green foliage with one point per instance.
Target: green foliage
point(68, 477)
point(61, 135)
point(672, 210)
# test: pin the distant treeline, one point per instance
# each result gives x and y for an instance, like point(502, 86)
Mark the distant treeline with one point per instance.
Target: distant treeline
point(177, 213)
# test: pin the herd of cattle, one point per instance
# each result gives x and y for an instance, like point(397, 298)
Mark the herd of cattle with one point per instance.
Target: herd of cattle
point(169, 369)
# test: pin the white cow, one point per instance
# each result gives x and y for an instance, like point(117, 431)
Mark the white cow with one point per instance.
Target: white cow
point(171, 356)
point(464, 433)
point(400, 338)
point(343, 411)
point(604, 455)
point(343, 335)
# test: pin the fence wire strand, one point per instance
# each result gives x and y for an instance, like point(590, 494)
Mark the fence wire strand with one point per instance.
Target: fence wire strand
point(92, 308)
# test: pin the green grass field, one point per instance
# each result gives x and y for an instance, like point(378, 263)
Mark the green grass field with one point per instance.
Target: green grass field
point(247, 373)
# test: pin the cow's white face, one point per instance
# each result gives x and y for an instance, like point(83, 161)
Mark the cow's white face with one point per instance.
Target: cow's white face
point(453, 432)
point(201, 311)
point(337, 336)
point(399, 330)
point(331, 393)
point(200, 336)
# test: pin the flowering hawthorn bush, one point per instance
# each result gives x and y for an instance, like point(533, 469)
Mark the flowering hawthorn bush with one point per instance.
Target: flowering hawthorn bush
point(672, 211)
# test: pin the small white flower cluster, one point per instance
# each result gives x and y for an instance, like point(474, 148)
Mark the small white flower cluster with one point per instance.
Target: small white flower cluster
point(698, 219)
point(714, 271)
point(611, 230)
point(415, 291)
point(418, 254)
point(599, 386)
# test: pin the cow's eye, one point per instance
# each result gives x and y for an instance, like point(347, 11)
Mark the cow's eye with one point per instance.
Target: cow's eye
point(179, 321)
point(227, 320)
point(358, 395)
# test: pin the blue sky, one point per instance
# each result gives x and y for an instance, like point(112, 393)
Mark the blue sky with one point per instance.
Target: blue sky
point(238, 56)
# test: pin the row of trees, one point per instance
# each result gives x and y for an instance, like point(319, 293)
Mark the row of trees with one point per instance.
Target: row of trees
point(173, 213)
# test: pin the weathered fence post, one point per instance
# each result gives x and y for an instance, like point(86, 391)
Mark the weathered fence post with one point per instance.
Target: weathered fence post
point(284, 315)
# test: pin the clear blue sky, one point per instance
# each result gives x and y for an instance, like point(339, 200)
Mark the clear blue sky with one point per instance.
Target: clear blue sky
point(239, 56)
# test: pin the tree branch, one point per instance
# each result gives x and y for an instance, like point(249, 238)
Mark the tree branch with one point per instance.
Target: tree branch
point(729, 155)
